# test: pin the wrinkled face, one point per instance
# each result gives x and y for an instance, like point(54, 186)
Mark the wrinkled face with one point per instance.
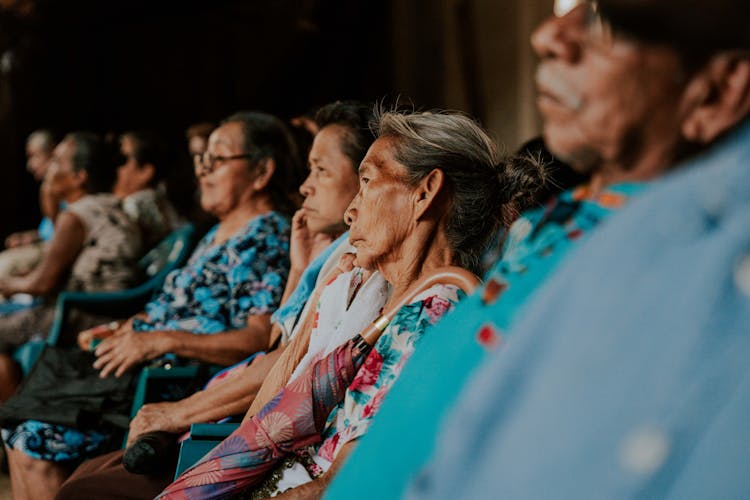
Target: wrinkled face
point(331, 184)
point(229, 184)
point(381, 215)
point(61, 178)
point(131, 178)
point(603, 97)
point(37, 159)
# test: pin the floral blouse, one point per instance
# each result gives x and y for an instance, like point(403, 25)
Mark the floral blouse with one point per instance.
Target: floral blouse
point(221, 285)
point(382, 367)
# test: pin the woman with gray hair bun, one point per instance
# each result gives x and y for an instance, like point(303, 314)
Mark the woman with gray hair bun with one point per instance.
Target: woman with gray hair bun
point(431, 197)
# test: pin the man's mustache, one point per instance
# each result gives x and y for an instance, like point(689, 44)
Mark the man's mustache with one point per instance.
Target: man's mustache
point(552, 85)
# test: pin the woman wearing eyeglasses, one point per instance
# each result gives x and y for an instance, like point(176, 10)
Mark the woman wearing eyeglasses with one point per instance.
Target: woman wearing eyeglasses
point(216, 309)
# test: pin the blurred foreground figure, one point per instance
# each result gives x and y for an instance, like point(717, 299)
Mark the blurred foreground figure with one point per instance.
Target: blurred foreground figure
point(627, 375)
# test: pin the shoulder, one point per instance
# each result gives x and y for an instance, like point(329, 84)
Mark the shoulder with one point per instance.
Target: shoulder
point(428, 307)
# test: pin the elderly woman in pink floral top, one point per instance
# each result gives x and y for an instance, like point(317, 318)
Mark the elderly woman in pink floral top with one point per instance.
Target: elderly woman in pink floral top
point(432, 194)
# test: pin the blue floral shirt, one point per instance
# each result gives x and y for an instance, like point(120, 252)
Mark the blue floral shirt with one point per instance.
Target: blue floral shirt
point(222, 285)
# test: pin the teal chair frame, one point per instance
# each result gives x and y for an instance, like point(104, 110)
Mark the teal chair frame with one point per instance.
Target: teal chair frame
point(171, 253)
point(203, 438)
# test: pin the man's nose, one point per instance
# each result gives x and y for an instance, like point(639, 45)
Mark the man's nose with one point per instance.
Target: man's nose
point(560, 37)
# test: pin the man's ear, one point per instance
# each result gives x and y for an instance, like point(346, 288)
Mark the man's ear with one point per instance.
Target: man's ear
point(717, 97)
point(427, 191)
point(265, 170)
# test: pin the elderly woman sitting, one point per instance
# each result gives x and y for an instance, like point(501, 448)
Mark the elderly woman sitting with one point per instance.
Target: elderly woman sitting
point(94, 248)
point(431, 193)
point(216, 309)
point(139, 185)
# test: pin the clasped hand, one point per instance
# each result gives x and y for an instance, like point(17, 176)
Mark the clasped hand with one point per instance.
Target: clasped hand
point(124, 350)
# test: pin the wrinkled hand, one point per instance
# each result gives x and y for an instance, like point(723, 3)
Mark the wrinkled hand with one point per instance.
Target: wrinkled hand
point(125, 349)
point(157, 417)
point(347, 262)
point(304, 245)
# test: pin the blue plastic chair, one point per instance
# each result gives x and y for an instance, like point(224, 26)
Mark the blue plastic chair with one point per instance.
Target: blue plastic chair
point(171, 253)
point(203, 438)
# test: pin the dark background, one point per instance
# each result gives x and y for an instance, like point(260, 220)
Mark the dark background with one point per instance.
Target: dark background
point(110, 66)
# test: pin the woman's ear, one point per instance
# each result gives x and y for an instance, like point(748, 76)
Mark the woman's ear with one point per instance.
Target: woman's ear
point(717, 97)
point(80, 178)
point(265, 170)
point(427, 191)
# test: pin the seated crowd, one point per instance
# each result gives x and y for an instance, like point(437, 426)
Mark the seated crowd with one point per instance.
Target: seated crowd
point(430, 318)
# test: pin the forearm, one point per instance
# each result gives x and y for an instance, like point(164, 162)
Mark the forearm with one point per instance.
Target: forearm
point(230, 397)
point(33, 284)
point(225, 348)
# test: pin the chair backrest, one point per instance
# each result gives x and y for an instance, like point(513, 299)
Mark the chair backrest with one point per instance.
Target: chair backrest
point(170, 253)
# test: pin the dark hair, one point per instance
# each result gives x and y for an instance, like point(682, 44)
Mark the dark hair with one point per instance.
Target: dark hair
point(355, 118)
point(533, 175)
point(265, 136)
point(91, 155)
point(479, 184)
point(696, 29)
point(202, 129)
point(149, 148)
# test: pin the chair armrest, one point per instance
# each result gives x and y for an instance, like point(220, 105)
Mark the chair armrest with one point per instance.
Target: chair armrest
point(212, 431)
point(120, 304)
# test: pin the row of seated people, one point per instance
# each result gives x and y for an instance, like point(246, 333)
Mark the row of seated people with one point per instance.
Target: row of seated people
point(384, 335)
point(218, 308)
point(106, 213)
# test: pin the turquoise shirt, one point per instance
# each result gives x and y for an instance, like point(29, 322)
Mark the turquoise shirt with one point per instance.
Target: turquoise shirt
point(401, 438)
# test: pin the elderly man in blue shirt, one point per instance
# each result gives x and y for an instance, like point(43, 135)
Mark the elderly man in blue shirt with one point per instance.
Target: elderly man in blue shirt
point(627, 376)
point(627, 91)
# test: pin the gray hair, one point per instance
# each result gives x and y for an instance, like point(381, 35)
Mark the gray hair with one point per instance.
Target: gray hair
point(43, 138)
point(469, 160)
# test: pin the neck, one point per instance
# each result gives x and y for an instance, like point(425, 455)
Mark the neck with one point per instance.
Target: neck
point(74, 196)
point(235, 220)
point(647, 166)
point(419, 255)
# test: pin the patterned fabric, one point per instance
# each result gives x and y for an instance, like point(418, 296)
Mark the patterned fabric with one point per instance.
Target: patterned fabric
point(222, 285)
point(346, 307)
point(290, 421)
point(153, 213)
point(217, 290)
point(381, 369)
point(106, 262)
point(111, 247)
point(236, 465)
point(61, 444)
point(536, 244)
point(286, 315)
point(642, 388)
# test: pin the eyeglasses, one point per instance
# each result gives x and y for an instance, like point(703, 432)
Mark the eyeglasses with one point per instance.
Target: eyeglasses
point(598, 29)
point(206, 163)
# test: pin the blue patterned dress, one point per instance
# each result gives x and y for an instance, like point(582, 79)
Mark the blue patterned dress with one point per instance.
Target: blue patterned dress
point(219, 287)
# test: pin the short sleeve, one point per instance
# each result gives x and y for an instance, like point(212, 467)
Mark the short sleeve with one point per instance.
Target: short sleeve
point(256, 281)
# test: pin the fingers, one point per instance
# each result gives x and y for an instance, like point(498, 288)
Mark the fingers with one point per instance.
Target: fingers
point(346, 262)
point(126, 365)
point(299, 218)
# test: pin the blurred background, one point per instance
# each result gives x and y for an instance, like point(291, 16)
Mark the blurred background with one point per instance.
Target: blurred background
point(110, 66)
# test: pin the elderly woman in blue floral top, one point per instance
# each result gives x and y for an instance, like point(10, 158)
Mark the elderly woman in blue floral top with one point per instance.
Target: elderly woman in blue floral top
point(216, 309)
